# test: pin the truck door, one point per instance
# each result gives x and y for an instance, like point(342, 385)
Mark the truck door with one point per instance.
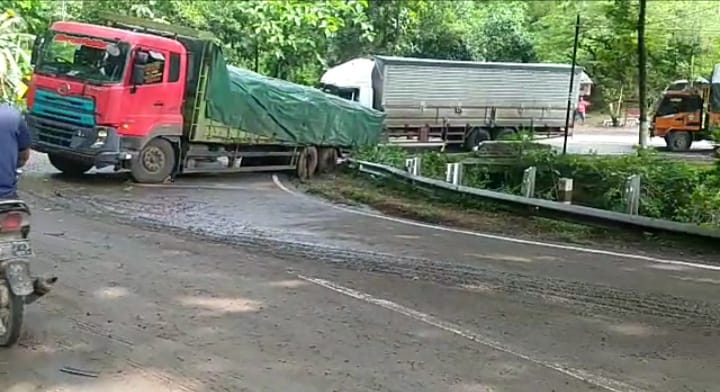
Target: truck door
point(156, 92)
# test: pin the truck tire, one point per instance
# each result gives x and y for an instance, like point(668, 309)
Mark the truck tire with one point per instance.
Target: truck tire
point(70, 166)
point(155, 162)
point(504, 133)
point(12, 317)
point(327, 160)
point(678, 141)
point(307, 163)
point(475, 137)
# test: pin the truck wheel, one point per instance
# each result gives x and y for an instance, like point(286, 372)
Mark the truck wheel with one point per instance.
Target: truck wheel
point(504, 133)
point(11, 316)
point(70, 166)
point(327, 160)
point(154, 163)
point(307, 163)
point(475, 137)
point(678, 141)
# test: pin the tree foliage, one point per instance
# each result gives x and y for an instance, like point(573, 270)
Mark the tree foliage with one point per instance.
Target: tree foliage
point(298, 39)
point(13, 54)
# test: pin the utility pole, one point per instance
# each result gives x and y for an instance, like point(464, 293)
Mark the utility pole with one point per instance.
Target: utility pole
point(642, 76)
point(572, 84)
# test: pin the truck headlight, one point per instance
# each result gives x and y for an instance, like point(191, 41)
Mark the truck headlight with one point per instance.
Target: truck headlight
point(102, 134)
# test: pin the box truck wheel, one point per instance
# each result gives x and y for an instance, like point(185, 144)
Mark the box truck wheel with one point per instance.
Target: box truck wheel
point(475, 137)
point(504, 133)
point(307, 163)
point(155, 162)
point(70, 166)
point(327, 159)
point(678, 141)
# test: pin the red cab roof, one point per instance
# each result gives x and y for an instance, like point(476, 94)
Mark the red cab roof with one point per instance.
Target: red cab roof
point(113, 34)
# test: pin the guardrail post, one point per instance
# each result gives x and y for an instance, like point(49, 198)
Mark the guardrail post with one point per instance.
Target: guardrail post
point(632, 195)
point(528, 182)
point(565, 189)
point(412, 165)
point(453, 173)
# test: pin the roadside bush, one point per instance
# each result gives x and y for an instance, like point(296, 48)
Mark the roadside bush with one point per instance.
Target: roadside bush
point(387, 155)
point(670, 189)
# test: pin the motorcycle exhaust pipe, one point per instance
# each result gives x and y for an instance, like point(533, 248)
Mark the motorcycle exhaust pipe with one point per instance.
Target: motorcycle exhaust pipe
point(41, 287)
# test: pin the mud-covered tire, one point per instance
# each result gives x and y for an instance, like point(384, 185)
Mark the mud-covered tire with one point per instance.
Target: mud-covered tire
point(13, 324)
point(70, 166)
point(504, 133)
point(155, 162)
point(475, 137)
point(327, 160)
point(307, 163)
point(678, 141)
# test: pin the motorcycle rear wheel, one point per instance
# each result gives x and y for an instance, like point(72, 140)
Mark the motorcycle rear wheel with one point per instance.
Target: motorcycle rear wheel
point(12, 317)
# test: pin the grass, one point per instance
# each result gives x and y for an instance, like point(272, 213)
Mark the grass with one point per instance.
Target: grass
point(445, 208)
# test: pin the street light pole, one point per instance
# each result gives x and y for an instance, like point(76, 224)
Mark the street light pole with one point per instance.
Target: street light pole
point(572, 83)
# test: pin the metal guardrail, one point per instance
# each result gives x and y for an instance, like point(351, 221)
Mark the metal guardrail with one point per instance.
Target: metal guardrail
point(547, 208)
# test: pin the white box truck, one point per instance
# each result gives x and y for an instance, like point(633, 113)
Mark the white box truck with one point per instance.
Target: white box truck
point(430, 102)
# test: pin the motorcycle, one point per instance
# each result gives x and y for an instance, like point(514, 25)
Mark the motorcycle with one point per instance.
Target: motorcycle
point(17, 287)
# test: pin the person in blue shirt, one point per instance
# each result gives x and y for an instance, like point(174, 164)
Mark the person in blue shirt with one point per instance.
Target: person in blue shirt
point(14, 149)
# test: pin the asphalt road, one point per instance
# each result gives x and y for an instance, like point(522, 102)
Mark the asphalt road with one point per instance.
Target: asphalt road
point(240, 283)
point(619, 141)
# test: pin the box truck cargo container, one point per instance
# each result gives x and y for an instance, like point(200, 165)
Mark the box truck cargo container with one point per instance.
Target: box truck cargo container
point(458, 102)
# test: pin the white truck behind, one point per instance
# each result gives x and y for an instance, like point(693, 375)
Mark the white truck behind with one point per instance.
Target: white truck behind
point(439, 102)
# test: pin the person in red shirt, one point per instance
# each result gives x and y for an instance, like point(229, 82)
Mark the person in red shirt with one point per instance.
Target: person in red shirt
point(581, 110)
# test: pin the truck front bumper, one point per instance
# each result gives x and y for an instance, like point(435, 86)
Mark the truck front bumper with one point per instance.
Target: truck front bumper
point(100, 145)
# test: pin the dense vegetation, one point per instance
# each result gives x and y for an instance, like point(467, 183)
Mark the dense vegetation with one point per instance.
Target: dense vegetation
point(296, 40)
point(671, 189)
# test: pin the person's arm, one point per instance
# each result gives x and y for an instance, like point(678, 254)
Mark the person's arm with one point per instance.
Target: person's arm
point(24, 142)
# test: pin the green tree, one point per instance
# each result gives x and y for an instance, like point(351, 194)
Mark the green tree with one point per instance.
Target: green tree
point(14, 57)
point(503, 34)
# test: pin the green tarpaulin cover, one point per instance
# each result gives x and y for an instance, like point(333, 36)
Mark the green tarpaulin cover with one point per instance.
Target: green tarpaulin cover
point(286, 111)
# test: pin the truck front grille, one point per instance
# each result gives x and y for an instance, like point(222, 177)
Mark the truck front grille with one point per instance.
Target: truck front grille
point(57, 119)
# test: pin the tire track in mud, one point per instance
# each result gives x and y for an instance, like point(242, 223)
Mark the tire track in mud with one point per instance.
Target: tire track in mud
point(583, 298)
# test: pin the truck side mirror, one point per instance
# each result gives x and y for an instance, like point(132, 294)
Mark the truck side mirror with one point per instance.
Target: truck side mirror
point(138, 75)
point(141, 58)
point(39, 40)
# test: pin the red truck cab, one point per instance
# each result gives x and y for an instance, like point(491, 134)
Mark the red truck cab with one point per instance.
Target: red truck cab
point(99, 94)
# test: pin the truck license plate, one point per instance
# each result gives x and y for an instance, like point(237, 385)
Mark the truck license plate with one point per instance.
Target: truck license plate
point(21, 249)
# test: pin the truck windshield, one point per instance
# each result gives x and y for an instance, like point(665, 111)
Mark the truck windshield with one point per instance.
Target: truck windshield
point(83, 58)
point(678, 104)
point(349, 93)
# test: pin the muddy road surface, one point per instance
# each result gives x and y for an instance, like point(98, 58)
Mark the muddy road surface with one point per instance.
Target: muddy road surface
point(240, 283)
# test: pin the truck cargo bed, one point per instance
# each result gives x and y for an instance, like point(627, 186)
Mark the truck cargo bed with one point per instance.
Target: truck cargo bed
point(286, 112)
